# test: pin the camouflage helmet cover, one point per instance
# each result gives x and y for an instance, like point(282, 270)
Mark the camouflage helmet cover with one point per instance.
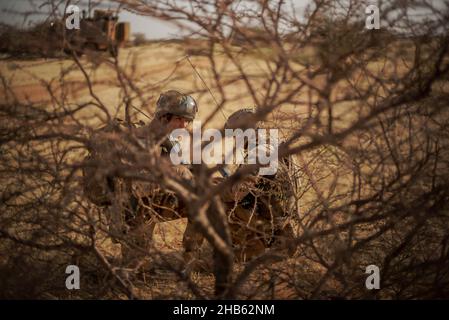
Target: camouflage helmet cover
point(174, 102)
point(242, 119)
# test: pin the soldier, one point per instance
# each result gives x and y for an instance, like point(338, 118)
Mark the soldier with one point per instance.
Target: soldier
point(259, 207)
point(133, 207)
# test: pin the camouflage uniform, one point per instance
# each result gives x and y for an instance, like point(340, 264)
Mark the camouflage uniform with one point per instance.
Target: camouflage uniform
point(261, 218)
point(259, 208)
point(134, 207)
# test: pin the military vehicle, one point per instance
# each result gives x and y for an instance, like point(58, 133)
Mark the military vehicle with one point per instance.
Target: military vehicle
point(102, 32)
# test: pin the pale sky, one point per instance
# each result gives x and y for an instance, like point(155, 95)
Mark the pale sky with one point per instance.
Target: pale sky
point(152, 28)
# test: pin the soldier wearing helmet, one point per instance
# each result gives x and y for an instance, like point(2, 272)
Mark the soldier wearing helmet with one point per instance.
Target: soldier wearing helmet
point(174, 110)
point(259, 207)
point(133, 207)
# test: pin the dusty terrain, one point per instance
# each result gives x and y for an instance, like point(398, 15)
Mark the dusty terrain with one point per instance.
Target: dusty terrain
point(161, 66)
point(156, 67)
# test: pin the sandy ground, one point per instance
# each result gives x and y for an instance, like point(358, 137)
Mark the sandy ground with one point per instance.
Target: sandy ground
point(152, 68)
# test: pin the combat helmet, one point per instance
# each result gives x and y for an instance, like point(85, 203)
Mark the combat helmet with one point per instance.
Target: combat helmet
point(242, 119)
point(174, 102)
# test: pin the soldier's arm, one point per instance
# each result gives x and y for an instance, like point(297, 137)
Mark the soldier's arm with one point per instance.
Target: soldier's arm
point(237, 191)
